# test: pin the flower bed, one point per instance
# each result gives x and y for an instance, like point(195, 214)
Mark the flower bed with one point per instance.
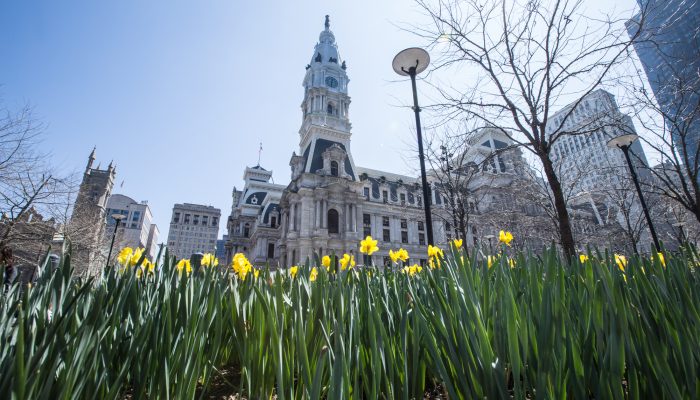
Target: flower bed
point(509, 325)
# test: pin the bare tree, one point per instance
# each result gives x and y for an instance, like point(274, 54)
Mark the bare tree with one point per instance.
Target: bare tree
point(487, 187)
point(31, 194)
point(452, 172)
point(526, 59)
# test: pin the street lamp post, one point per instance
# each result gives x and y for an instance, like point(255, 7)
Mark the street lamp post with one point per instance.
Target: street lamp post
point(411, 62)
point(117, 219)
point(624, 143)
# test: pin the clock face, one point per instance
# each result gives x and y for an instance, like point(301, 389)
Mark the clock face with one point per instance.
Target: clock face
point(331, 82)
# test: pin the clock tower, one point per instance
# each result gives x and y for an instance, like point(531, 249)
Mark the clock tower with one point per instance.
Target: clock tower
point(325, 107)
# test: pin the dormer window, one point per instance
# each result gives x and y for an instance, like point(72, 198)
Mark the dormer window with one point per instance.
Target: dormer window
point(334, 168)
point(329, 109)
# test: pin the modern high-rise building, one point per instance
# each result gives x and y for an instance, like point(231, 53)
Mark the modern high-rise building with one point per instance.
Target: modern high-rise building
point(137, 229)
point(596, 179)
point(581, 156)
point(87, 223)
point(193, 229)
point(669, 50)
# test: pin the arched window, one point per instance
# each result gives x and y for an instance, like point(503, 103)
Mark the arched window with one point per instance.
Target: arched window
point(332, 221)
point(334, 168)
point(246, 230)
point(329, 109)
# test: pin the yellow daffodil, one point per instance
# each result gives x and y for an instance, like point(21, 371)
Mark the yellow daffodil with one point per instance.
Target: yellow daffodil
point(326, 262)
point(184, 264)
point(148, 266)
point(136, 256)
point(241, 266)
point(457, 243)
point(400, 254)
point(434, 262)
point(256, 272)
point(511, 262)
point(621, 262)
point(434, 251)
point(139, 272)
point(490, 260)
point(293, 271)
point(368, 246)
point(412, 270)
point(661, 258)
point(125, 255)
point(346, 262)
point(505, 237)
point(208, 260)
point(394, 255)
point(313, 274)
point(583, 258)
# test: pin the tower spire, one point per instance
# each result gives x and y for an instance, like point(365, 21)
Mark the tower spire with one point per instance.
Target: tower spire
point(328, 23)
point(91, 159)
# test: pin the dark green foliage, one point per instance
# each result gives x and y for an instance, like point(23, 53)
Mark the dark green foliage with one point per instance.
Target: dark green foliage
point(543, 329)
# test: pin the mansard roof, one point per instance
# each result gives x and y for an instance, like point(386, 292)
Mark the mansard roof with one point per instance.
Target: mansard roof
point(389, 176)
point(314, 162)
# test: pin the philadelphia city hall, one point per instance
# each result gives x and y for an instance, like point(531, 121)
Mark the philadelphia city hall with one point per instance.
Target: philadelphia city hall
point(331, 203)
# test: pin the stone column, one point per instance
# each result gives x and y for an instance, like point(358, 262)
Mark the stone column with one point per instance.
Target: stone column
point(293, 217)
point(346, 217)
point(306, 215)
point(283, 223)
point(317, 223)
point(353, 210)
point(324, 214)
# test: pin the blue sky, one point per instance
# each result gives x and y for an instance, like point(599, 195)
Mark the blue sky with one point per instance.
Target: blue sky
point(179, 94)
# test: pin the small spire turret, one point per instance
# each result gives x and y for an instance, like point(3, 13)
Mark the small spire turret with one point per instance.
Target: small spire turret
point(91, 159)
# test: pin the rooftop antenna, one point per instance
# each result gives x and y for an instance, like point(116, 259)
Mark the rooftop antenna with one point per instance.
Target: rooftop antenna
point(259, 153)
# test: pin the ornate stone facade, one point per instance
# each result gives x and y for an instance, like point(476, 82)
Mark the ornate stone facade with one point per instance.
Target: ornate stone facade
point(87, 223)
point(330, 203)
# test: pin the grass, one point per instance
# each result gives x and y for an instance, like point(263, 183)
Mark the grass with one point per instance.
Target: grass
point(537, 329)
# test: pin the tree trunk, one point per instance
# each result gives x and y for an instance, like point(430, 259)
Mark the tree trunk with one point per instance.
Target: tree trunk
point(566, 235)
